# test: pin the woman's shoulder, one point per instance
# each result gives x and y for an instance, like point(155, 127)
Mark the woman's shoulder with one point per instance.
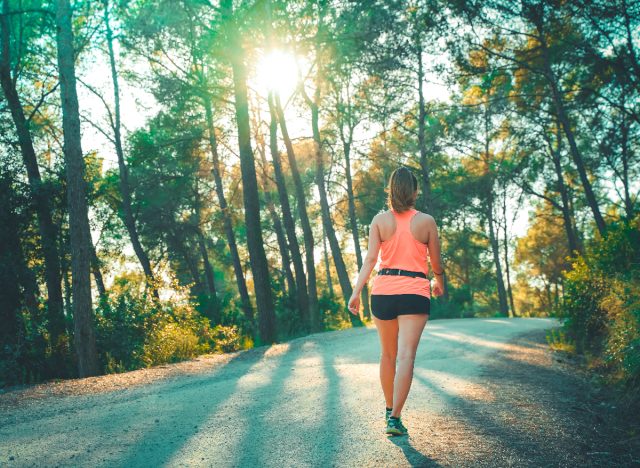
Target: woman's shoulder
point(425, 217)
point(382, 215)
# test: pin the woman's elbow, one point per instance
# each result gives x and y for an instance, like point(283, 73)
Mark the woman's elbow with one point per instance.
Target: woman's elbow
point(370, 260)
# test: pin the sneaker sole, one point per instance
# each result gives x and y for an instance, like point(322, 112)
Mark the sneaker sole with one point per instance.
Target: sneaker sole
point(395, 432)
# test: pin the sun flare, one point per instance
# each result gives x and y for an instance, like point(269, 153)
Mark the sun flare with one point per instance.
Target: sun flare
point(277, 71)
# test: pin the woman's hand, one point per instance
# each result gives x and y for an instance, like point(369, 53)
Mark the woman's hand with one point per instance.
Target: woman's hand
point(354, 304)
point(438, 287)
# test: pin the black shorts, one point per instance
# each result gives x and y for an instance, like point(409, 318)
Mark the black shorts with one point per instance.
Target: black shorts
point(389, 306)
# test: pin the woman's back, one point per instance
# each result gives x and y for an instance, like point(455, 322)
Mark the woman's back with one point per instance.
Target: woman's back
point(404, 238)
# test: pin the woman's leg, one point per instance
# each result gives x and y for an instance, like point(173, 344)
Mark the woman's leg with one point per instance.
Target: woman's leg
point(410, 329)
point(388, 333)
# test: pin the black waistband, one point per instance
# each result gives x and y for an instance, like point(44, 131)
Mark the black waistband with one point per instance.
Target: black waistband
point(398, 272)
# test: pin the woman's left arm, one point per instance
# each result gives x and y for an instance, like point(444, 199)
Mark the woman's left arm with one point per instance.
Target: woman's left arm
point(368, 263)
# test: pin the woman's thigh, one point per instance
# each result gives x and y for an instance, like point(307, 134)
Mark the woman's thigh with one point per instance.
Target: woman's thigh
point(388, 333)
point(410, 327)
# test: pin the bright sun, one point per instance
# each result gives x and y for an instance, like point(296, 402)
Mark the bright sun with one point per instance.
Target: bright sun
point(277, 71)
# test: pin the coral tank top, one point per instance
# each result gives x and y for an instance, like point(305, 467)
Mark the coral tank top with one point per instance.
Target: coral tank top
point(403, 251)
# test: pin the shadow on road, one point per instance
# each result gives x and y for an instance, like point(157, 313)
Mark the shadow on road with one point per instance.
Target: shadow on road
point(413, 456)
point(527, 414)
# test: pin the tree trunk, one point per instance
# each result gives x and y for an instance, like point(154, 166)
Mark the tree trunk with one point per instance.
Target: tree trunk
point(46, 228)
point(280, 236)
point(505, 243)
point(97, 274)
point(424, 163)
point(346, 144)
point(563, 117)
point(213, 307)
point(259, 265)
point(287, 217)
point(247, 308)
point(327, 265)
point(495, 248)
point(572, 238)
point(338, 261)
point(343, 275)
point(314, 309)
point(84, 337)
point(208, 269)
point(11, 261)
point(125, 189)
point(625, 156)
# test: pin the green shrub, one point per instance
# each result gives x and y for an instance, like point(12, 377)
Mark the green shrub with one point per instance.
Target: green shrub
point(136, 330)
point(226, 339)
point(601, 305)
point(170, 342)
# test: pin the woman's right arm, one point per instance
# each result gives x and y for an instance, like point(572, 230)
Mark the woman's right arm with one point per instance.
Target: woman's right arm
point(433, 244)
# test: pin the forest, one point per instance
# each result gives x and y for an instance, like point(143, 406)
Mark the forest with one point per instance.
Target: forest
point(199, 176)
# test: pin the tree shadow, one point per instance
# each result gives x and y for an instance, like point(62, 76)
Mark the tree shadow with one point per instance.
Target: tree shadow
point(413, 455)
point(533, 423)
point(249, 396)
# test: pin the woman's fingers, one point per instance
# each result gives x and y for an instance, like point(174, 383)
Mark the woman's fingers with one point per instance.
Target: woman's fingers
point(354, 305)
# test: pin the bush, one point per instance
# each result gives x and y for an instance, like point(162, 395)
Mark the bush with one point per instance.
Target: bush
point(227, 339)
point(136, 330)
point(601, 305)
point(170, 342)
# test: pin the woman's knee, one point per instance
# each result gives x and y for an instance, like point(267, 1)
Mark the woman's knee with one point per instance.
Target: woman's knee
point(389, 356)
point(407, 355)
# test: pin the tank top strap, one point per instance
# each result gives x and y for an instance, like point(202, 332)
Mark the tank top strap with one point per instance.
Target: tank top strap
point(403, 219)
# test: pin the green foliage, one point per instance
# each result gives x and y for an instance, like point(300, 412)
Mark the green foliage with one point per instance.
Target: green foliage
point(602, 304)
point(136, 330)
point(559, 341)
point(333, 312)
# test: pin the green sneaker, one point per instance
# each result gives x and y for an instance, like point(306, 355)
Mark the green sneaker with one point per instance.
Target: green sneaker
point(387, 413)
point(395, 427)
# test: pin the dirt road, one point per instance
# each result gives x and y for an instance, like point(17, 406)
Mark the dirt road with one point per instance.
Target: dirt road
point(486, 392)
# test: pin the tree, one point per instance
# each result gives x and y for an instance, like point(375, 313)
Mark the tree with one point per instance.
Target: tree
point(125, 189)
point(39, 189)
point(81, 245)
point(259, 266)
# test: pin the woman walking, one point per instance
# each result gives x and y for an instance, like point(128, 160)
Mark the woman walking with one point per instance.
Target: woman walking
point(401, 292)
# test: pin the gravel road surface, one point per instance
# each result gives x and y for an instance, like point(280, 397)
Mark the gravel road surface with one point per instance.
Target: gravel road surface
point(486, 392)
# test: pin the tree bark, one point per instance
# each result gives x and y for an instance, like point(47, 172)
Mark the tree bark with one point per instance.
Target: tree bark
point(247, 308)
point(46, 228)
point(80, 234)
point(259, 265)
